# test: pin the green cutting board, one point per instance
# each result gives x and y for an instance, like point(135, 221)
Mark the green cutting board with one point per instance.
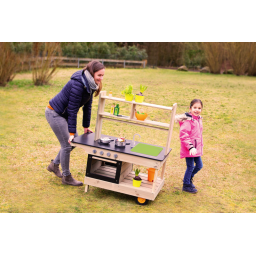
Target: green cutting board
point(147, 149)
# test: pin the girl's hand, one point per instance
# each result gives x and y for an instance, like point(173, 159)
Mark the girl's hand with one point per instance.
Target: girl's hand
point(71, 138)
point(87, 130)
point(193, 151)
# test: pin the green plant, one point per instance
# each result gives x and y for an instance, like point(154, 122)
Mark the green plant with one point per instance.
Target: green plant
point(128, 90)
point(143, 88)
point(140, 113)
point(137, 172)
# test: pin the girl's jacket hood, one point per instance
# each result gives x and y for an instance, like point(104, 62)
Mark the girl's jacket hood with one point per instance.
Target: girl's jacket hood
point(191, 128)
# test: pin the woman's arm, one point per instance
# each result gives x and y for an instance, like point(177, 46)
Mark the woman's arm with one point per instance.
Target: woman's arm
point(87, 109)
point(75, 97)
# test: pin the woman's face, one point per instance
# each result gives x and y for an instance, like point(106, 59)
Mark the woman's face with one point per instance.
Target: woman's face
point(98, 76)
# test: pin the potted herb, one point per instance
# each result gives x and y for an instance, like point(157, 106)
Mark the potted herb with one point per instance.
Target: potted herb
point(137, 179)
point(140, 97)
point(127, 92)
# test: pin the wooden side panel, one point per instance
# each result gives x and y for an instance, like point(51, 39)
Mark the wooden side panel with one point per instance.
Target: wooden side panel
point(125, 171)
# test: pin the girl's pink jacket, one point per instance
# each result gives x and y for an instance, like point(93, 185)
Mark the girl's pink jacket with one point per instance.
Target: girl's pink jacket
point(191, 129)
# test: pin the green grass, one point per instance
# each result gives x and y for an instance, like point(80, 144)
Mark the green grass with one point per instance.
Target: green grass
point(225, 184)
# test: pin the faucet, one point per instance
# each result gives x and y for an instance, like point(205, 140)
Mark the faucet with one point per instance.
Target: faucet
point(133, 142)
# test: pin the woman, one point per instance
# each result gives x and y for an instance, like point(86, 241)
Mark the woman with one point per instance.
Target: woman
point(61, 114)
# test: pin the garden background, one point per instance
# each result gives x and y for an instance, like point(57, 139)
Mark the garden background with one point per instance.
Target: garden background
point(225, 184)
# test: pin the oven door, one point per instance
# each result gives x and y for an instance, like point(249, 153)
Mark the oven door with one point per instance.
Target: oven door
point(103, 169)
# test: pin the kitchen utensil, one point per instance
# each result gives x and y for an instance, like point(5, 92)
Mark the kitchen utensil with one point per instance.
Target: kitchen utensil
point(121, 143)
point(105, 140)
point(141, 117)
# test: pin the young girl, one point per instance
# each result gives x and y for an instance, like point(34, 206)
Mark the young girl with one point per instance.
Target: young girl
point(191, 139)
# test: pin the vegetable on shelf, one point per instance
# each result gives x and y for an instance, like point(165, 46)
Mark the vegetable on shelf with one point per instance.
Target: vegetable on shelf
point(140, 97)
point(143, 88)
point(137, 179)
point(128, 92)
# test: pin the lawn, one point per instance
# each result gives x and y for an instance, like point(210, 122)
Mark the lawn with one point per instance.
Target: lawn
point(225, 184)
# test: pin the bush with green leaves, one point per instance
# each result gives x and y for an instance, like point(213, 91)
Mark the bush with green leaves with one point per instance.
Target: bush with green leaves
point(194, 56)
point(103, 50)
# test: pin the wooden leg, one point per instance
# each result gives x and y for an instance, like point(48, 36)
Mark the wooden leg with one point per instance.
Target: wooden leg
point(86, 188)
point(163, 170)
point(154, 182)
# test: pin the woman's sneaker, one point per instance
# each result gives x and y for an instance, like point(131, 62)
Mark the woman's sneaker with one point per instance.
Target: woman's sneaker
point(188, 188)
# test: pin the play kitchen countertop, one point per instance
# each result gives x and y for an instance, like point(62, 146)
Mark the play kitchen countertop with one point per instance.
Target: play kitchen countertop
point(112, 150)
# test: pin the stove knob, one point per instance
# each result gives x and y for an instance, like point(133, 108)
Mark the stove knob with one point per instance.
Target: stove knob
point(108, 154)
point(115, 155)
point(101, 153)
point(94, 151)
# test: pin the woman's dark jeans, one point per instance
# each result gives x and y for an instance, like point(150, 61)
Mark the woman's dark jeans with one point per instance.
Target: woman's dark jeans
point(191, 168)
point(59, 126)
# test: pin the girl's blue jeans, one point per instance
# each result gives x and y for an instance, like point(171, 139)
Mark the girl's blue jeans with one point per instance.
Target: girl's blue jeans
point(191, 168)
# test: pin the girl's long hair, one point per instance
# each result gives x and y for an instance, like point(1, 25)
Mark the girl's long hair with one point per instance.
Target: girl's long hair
point(93, 67)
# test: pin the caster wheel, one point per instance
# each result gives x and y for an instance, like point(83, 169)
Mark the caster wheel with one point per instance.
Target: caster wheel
point(141, 201)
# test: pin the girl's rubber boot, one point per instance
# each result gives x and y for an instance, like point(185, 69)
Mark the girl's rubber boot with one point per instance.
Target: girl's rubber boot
point(188, 188)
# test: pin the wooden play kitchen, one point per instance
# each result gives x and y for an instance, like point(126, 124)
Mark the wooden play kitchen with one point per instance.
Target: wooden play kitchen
point(110, 166)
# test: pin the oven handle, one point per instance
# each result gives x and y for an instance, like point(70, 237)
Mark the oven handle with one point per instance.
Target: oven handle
point(104, 160)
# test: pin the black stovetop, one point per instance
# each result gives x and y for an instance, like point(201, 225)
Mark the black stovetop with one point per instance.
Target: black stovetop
point(88, 140)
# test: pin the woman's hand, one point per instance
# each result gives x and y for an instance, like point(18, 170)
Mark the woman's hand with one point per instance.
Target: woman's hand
point(71, 138)
point(87, 130)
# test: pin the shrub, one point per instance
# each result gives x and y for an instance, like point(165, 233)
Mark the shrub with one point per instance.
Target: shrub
point(9, 63)
point(193, 55)
point(44, 64)
point(75, 49)
point(214, 55)
point(103, 50)
point(22, 48)
point(252, 60)
point(242, 57)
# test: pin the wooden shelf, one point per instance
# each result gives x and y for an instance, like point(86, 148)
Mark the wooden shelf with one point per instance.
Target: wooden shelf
point(126, 186)
point(144, 123)
point(136, 103)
